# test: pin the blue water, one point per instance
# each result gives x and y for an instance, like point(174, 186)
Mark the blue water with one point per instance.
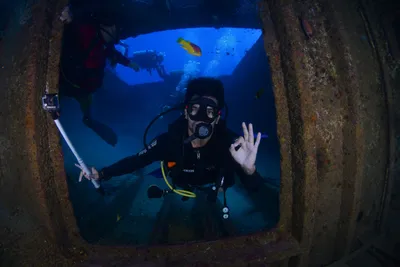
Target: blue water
point(222, 50)
point(128, 101)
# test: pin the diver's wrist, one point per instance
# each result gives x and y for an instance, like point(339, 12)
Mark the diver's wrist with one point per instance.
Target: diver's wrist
point(102, 175)
point(249, 170)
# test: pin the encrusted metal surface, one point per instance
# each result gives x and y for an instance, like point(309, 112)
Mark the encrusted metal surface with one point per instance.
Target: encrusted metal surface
point(332, 126)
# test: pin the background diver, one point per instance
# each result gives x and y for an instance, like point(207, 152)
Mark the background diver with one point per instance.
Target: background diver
point(201, 153)
point(89, 40)
point(150, 60)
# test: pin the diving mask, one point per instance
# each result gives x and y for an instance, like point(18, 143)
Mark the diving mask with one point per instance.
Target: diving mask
point(203, 109)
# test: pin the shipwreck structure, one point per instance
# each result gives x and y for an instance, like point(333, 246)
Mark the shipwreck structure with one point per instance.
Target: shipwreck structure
point(338, 125)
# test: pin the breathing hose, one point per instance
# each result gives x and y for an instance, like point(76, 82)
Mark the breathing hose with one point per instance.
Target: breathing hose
point(181, 192)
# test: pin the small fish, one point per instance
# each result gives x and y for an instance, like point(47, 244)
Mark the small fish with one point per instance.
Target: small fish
point(306, 27)
point(259, 93)
point(118, 217)
point(191, 48)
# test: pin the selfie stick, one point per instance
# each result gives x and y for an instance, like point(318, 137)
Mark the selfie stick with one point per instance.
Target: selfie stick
point(71, 146)
point(50, 103)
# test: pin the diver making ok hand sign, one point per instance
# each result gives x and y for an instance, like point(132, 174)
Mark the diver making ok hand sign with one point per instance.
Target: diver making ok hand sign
point(200, 152)
point(244, 150)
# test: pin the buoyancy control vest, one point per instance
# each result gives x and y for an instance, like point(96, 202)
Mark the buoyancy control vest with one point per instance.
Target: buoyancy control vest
point(177, 132)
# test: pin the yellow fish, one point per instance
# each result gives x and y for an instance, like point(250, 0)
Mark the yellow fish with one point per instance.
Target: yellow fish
point(118, 217)
point(191, 48)
point(259, 93)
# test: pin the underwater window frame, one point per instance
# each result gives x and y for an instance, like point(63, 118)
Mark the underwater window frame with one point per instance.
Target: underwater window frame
point(275, 245)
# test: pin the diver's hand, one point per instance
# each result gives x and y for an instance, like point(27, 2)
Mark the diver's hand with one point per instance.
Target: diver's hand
point(92, 176)
point(134, 66)
point(246, 153)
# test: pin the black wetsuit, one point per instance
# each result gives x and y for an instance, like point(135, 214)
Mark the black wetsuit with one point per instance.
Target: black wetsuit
point(194, 166)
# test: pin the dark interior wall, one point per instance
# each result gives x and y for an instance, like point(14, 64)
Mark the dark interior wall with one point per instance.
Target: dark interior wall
point(391, 213)
point(132, 105)
point(396, 27)
point(252, 75)
point(140, 18)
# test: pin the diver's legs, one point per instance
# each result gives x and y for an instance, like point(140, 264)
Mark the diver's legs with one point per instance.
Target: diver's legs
point(204, 217)
point(102, 130)
point(85, 103)
point(161, 71)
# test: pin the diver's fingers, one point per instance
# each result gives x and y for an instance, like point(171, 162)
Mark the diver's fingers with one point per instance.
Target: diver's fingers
point(251, 134)
point(245, 132)
point(80, 176)
point(237, 145)
point(258, 140)
point(95, 174)
point(79, 166)
point(239, 141)
point(232, 148)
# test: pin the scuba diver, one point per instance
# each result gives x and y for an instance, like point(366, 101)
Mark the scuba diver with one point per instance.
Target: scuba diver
point(198, 152)
point(150, 60)
point(88, 41)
